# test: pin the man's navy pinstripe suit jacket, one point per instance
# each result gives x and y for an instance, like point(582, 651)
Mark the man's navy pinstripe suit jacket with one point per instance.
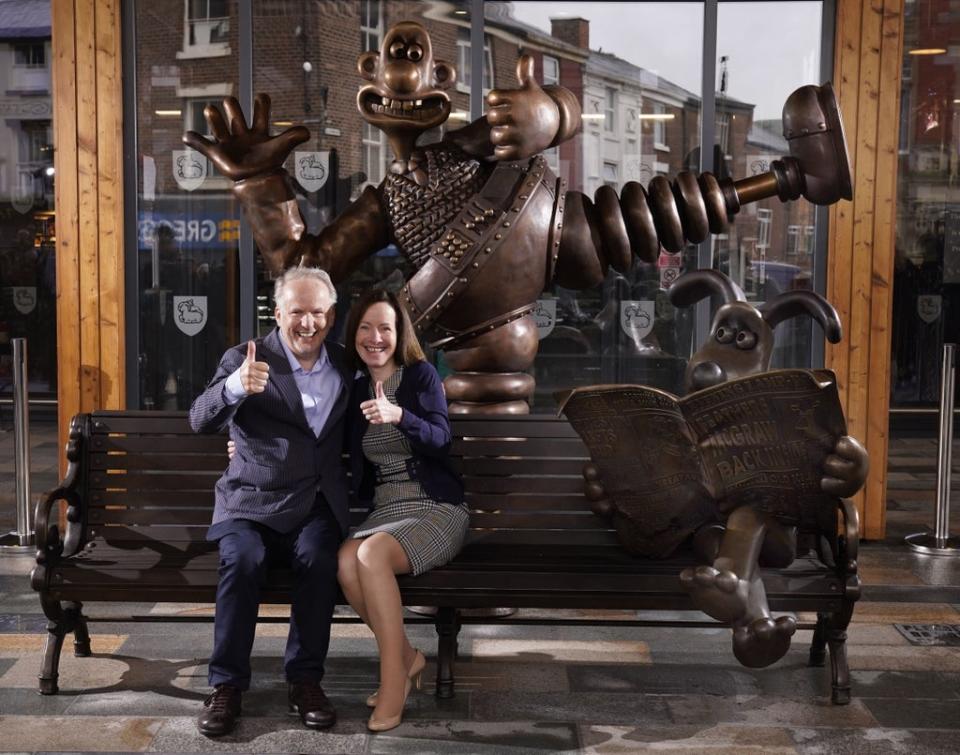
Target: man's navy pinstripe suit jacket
point(280, 464)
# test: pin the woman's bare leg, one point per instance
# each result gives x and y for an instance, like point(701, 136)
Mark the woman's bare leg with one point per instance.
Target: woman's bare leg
point(349, 579)
point(379, 559)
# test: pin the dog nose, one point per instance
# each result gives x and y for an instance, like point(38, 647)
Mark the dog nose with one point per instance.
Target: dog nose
point(707, 374)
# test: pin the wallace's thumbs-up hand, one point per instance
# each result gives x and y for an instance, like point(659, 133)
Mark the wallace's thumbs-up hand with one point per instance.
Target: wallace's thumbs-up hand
point(524, 121)
point(253, 374)
point(379, 410)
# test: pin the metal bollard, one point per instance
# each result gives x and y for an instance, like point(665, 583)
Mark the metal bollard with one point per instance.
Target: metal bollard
point(939, 542)
point(23, 539)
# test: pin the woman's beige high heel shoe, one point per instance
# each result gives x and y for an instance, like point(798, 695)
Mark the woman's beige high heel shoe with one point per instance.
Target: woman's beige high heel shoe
point(385, 724)
point(414, 673)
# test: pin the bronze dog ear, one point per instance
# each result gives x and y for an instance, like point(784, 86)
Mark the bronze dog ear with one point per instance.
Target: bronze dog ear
point(699, 284)
point(794, 303)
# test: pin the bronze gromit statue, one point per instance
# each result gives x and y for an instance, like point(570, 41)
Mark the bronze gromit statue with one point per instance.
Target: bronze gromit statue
point(728, 586)
point(480, 215)
point(741, 335)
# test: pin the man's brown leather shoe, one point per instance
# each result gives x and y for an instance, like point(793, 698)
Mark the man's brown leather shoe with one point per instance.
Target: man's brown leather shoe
point(309, 701)
point(220, 711)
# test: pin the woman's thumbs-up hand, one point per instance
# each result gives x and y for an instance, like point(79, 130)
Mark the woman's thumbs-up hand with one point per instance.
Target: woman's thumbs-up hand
point(379, 410)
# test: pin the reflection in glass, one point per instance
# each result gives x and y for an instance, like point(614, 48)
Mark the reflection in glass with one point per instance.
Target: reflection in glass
point(188, 225)
point(28, 305)
point(770, 247)
point(305, 56)
point(926, 289)
point(640, 93)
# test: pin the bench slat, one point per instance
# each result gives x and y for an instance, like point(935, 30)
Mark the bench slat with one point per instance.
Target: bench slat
point(548, 448)
point(157, 515)
point(148, 516)
point(193, 497)
point(136, 423)
point(525, 484)
point(530, 426)
point(181, 462)
point(146, 443)
point(174, 500)
point(528, 502)
point(203, 480)
point(506, 465)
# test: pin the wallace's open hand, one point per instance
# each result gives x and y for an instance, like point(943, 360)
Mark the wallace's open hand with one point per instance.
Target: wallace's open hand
point(240, 151)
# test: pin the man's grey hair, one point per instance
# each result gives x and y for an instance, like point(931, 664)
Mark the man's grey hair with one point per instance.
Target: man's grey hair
point(301, 273)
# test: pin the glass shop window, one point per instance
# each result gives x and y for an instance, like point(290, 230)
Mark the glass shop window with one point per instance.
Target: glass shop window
point(188, 224)
point(28, 287)
point(298, 57)
point(761, 254)
point(624, 330)
point(926, 274)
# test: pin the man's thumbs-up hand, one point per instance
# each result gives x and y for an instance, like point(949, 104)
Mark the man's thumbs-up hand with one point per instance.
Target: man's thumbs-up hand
point(524, 121)
point(379, 410)
point(253, 374)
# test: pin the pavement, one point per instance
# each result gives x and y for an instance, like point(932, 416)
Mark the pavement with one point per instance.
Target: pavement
point(520, 689)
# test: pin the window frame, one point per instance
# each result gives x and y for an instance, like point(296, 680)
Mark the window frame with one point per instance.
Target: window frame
point(30, 48)
point(208, 49)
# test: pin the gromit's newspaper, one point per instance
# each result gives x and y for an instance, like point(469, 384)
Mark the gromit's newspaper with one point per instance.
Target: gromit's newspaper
point(671, 464)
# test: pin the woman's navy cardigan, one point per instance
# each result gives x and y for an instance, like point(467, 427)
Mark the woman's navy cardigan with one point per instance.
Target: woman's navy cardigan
point(424, 423)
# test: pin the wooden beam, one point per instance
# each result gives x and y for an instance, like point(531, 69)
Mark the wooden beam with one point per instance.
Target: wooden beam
point(861, 254)
point(110, 203)
point(87, 97)
point(68, 217)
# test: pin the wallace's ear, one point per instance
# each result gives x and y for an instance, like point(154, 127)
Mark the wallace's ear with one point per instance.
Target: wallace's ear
point(367, 65)
point(444, 74)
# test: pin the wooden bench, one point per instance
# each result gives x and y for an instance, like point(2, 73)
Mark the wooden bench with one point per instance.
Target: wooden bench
point(139, 497)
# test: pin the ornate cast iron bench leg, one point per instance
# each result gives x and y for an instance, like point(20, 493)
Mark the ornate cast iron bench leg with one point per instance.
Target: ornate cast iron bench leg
point(818, 647)
point(448, 627)
point(837, 640)
point(67, 619)
point(49, 671)
point(81, 636)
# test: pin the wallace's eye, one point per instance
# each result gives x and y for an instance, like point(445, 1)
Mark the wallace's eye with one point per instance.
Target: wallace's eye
point(746, 339)
point(397, 50)
point(414, 53)
point(724, 335)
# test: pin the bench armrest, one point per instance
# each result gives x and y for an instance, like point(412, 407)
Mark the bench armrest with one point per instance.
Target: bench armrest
point(50, 546)
point(848, 546)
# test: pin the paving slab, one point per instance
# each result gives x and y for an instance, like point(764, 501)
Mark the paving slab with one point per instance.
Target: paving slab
point(481, 738)
point(261, 735)
point(686, 739)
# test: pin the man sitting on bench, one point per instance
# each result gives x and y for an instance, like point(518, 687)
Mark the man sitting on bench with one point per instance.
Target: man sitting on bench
point(283, 495)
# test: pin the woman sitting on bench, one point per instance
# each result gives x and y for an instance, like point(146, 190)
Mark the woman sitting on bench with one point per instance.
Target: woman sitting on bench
point(398, 435)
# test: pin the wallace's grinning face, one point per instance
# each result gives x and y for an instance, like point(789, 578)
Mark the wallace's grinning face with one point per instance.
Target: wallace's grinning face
point(406, 90)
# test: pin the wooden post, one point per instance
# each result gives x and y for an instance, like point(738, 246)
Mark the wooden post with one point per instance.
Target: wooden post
point(87, 98)
point(867, 65)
